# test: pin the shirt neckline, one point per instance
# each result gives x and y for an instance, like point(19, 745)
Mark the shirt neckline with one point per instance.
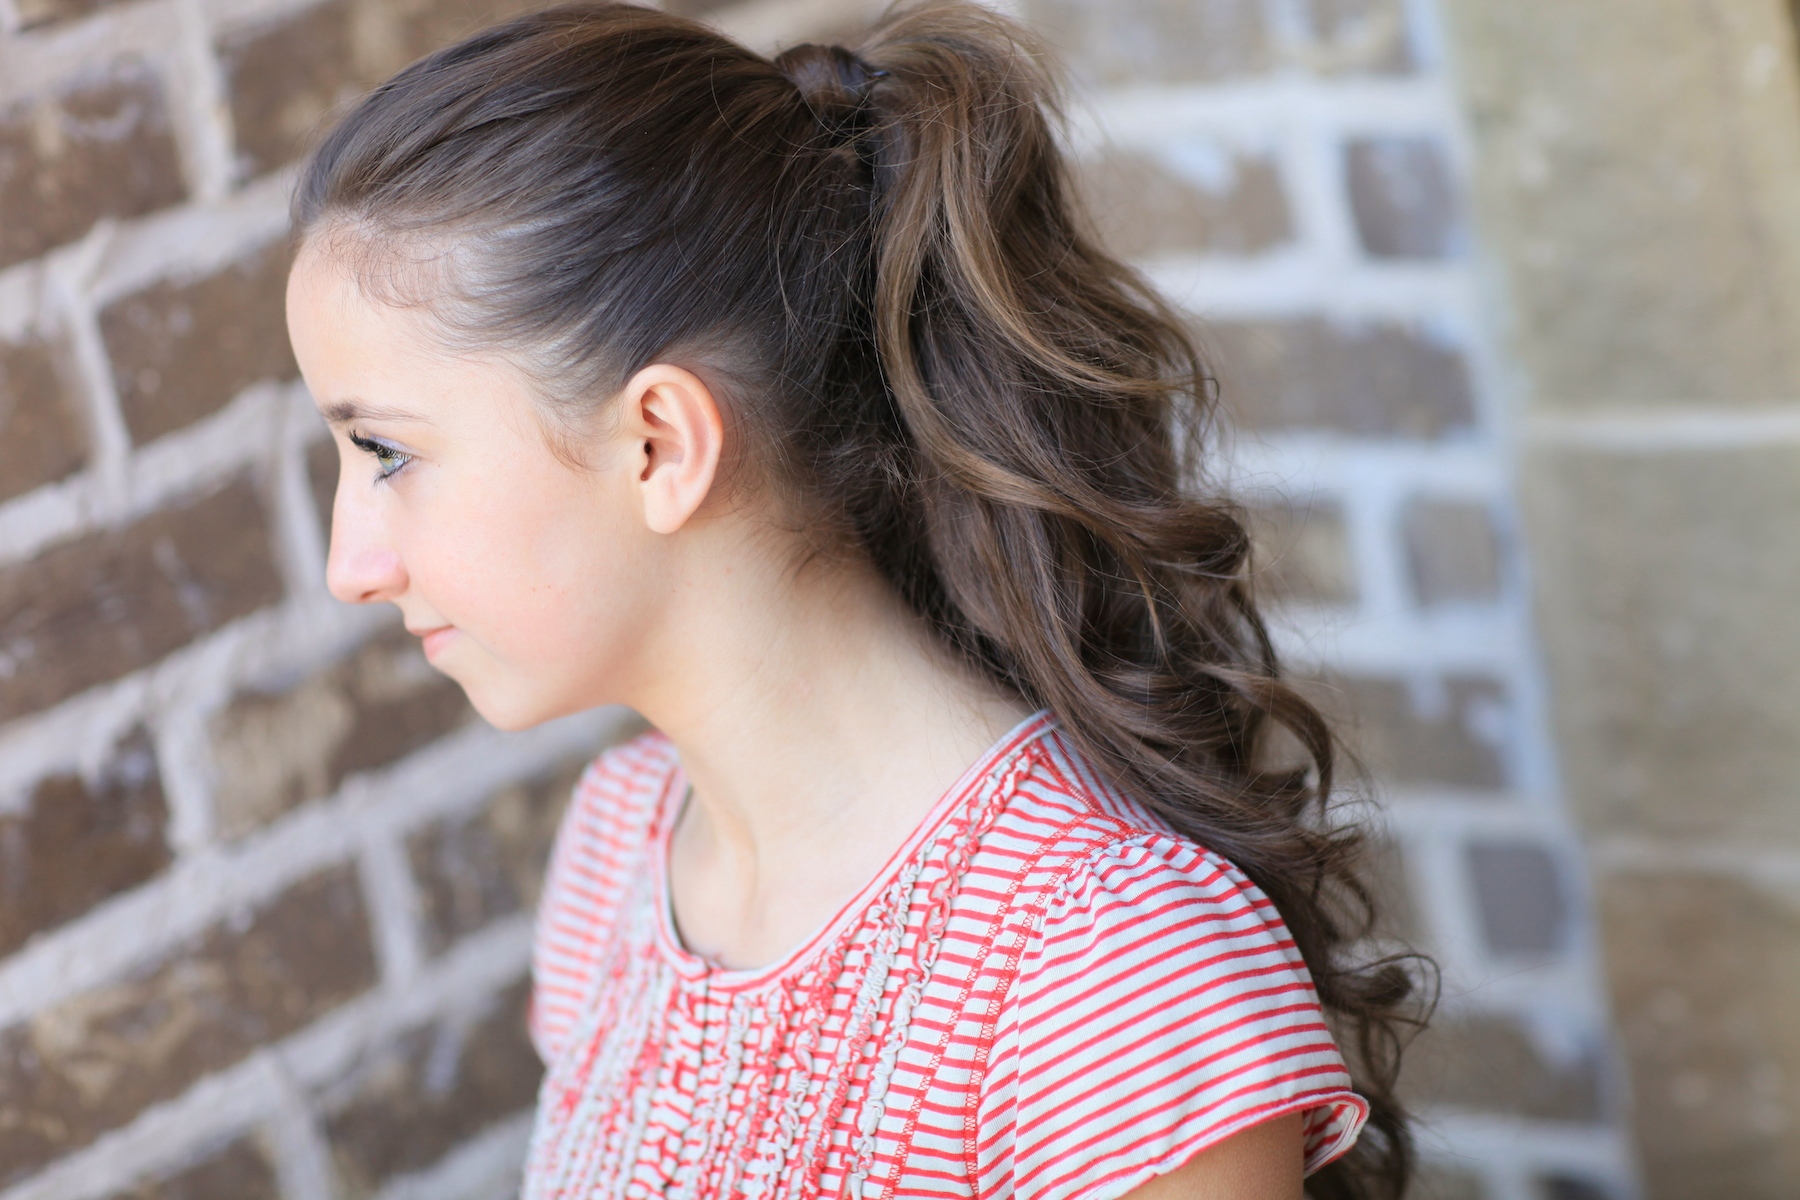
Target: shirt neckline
point(694, 967)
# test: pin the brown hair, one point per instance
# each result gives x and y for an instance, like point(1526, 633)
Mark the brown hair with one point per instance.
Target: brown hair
point(923, 349)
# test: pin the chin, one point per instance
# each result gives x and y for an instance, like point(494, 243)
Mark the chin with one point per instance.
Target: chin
point(509, 710)
point(509, 714)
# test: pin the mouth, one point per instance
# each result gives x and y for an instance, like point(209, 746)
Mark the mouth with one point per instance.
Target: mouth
point(432, 641)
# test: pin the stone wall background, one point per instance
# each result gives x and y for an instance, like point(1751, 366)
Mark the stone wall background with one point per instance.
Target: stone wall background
point(1643, 231)
point(265, 884)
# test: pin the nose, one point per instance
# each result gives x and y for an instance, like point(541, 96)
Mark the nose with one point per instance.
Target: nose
point(362, 567)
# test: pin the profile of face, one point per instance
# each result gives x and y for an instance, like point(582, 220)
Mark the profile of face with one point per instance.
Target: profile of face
point(538, 583)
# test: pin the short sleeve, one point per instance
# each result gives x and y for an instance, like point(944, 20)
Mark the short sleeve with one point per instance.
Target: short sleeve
point(1160, 1008)
point(599, 845)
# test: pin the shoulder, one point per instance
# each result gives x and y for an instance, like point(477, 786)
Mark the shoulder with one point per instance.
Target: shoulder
point(1159, 1005)
point(600, 848)
point(1107, 868)
point(615, 801)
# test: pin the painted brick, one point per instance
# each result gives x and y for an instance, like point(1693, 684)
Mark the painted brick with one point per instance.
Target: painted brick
point(322, 480)
point(1452, 551)
point(1367, 380)
point(1160, 41)
point(35, 13)
point(99, 607)
point(78, 842)
point(181, 350)
point(473, 869)
point(41, 440)
point(1571, 1187)
point(277, 749)
point(1487, 1063)
point(1705, 975)
point(238, 1170)
point(1148, 206)
point(284, 80)
point(93, 1063)
point(1358, 36)
point(1402, 197)
point(427, 1090)
point(1436, 731)
point(100, 147)
point(1520, 897)
point(1303, 554)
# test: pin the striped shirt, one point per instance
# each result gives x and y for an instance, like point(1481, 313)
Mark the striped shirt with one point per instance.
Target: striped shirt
point(1042, 995)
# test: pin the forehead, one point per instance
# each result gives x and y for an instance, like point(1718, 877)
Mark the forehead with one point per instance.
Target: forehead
point(369, 358)
point(354, 347)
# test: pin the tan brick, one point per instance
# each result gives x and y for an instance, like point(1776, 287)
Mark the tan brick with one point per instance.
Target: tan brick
point(1155, 41)
point(288, 78)
point(238, 1170)
point(1146, 208)
point(1487, 1063)
point(1368, 380)
point(78, 843)
point(285, 79)
point(1452, 551)
point(101, 606)
point(388, 35)
point(1447, 731)
point(93, 1063)
point(181, 350)
point(1639, 169)
point(277, 749)
point(1385, 874)
point(41, 440)
point(1358, 36)
point(1402, 197)
point(471, 870)
point(1705, 975)
point(1667, 585)
point(101, 147)
point(429, 1089)
point(1303, 554)
point(1436, 1182)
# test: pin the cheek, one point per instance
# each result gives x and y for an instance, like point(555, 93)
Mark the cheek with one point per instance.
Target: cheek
point(542, 577)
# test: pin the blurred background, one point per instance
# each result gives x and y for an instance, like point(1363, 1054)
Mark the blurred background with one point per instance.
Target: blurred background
point(1505, 300)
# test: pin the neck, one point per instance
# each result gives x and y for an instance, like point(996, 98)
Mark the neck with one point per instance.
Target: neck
point(819, 722)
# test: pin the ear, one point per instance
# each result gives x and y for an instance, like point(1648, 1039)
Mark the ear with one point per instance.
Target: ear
point(679, 433)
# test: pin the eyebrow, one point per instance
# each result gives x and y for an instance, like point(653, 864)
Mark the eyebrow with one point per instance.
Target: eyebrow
point(341, 412)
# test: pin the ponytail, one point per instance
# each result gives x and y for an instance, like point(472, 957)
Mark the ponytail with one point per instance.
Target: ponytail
point(932, 360)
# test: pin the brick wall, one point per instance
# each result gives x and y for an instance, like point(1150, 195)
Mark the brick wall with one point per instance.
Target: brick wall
point(265, 883)
point(1295, 174)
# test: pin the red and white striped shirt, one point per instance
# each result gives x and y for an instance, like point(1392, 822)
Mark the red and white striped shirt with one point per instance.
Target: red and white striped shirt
point(1042, 995)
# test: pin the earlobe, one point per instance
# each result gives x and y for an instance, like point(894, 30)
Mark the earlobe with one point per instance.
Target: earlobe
point(682, 436)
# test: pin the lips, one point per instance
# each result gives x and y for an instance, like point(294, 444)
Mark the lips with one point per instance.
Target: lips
point(432, 641)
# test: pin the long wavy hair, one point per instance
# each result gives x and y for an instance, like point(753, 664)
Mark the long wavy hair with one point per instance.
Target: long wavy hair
point(923, 351)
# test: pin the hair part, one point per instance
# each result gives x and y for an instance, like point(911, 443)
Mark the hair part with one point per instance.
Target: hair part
point(921, 347)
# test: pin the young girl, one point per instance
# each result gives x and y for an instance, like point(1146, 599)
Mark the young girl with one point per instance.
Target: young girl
point(979, 849)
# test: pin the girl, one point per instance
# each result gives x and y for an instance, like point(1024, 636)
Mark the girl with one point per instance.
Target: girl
point(979, 847)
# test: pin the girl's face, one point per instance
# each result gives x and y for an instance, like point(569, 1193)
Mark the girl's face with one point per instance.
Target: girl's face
point(532, 582)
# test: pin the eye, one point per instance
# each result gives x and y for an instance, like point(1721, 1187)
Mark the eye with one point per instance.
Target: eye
point(388, 459)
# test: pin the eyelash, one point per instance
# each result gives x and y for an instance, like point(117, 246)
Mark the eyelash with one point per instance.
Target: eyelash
point(389, 459)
